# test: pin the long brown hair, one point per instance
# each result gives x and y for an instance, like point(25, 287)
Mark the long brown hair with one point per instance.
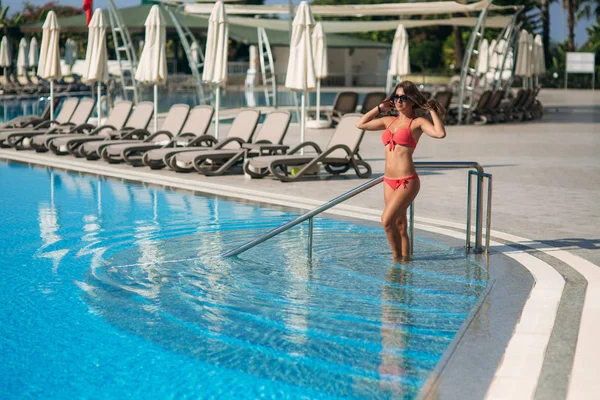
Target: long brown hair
point(411, 90)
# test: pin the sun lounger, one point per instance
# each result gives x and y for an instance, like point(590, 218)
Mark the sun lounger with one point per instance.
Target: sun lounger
point(444, 97)
point(86, 145)
point(536, 110)
point(196, 125)
point(339, 156)
point(372, 100)
point(171, 127)
point(63, 116)
point(136, 129)
point(19, 138)
point(27, 121)
point(241, 132)
point(266, 142)
point(193, 136)
point(492, 107)
point(525, 112)
point(508, 107)
point(477, 110)
point(344, 103)
point(77, 123)
point(115, 121)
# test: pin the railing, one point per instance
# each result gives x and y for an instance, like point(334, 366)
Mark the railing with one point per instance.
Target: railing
point(237, 67)
point(478, 172)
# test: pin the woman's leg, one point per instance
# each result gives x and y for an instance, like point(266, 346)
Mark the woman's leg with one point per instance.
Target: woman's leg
point(393, 218)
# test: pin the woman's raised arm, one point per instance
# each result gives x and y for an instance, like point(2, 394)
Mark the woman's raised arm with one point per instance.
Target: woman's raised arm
point(436, 129)
point(370, 123)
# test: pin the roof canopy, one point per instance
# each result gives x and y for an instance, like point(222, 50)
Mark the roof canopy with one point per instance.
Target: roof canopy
point(368, 26)
point(357, 10)
point(134, 18)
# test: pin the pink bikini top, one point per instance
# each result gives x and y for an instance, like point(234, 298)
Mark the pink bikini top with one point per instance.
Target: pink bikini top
point(402, 136)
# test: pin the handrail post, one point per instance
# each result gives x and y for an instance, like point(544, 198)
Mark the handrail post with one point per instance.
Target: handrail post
point(411, 226)
point(469, 194)
point(310, 237)
point(479, 214)
point(488, 225)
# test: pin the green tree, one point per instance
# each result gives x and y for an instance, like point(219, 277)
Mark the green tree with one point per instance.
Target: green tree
point(32, 13)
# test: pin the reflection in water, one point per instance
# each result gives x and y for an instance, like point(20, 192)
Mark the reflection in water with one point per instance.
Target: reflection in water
point(120, 192)
point(213, 283)
point(298, 270)
point(48, 222)
point(151, 256)
point(394, 338)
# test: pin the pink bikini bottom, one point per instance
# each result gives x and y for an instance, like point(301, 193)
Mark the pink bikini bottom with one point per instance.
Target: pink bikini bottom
point(396, 183)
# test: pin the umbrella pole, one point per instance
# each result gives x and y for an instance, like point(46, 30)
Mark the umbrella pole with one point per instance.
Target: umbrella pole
point(217, 103)
point(318, 118)
point(302, 118)
point(99, 105)
point(155, 108)
point(51, 99)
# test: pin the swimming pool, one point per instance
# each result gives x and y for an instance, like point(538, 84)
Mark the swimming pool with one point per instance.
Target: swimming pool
point(112, 289)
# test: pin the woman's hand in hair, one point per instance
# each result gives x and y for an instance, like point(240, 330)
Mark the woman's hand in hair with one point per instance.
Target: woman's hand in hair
point(434, 128)
point(386, 106)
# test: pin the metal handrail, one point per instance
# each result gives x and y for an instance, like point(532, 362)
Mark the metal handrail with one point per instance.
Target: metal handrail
point(304, 217)
point(373, 182)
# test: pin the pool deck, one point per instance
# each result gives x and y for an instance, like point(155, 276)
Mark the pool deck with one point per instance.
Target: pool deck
point(546, 214)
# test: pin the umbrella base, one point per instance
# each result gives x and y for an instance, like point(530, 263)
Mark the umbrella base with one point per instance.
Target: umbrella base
point(318, 124)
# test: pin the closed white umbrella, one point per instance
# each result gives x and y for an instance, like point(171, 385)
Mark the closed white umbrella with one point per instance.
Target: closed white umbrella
point(483, 61)
point(5, 56)
point(492, 60)
point(531, 60)
point(215, 56)
point(399, 59)
point(539, 66)
point(523, 56)
point(22, 61)
point(541, 56)
point(49, 65)
point(319, 43)
point(540, 63)
point(34, 53)
point(96, 67)
point(496, 58)
point(152, 67)
point(483, 57)
point(301, 74)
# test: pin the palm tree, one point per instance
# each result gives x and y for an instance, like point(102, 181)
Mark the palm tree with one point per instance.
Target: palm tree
point(576, 10)
point(545, 11)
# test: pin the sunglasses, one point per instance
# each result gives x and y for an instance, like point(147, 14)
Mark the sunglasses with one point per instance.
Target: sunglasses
point(403, 98)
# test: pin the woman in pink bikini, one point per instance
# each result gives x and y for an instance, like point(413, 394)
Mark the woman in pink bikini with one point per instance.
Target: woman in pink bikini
point(400, 139)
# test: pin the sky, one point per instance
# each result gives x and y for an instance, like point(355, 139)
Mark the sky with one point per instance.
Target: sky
point(558, 29)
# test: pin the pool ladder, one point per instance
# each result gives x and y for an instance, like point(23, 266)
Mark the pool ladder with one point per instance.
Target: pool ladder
point(475, 170)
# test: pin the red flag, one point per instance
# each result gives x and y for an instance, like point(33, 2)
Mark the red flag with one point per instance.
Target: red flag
point(87, 7)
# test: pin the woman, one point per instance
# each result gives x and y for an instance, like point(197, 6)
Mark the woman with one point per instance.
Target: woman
point(400, 139)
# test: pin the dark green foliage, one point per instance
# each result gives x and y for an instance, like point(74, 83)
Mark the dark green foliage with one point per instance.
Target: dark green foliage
point(32, 13)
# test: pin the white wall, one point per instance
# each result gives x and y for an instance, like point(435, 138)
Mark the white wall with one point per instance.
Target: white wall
point(366, 63)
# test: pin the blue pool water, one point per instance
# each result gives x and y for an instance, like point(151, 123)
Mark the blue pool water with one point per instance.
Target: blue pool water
point(113, 290)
